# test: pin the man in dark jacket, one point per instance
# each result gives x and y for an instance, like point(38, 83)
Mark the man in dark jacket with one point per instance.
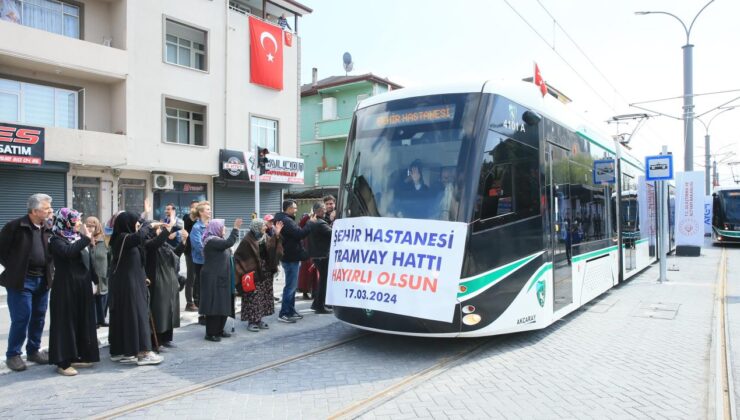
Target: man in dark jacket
point(293, 254)
point(330, 203)
point(24, 252)
point(319, 242)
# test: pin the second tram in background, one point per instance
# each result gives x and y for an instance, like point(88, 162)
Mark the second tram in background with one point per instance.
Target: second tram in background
point(726, 215)
point(543, 238)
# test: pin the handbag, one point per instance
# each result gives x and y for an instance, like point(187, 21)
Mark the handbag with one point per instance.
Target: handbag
point(247, 283)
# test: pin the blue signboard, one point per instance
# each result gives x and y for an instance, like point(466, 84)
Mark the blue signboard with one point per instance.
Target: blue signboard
point(604, 171)
point(659, 168)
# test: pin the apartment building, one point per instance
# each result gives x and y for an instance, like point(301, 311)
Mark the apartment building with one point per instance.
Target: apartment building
point(146, 101)
point(327, 106)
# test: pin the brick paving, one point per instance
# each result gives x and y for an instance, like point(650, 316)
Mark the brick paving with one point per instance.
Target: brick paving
point(610, 359)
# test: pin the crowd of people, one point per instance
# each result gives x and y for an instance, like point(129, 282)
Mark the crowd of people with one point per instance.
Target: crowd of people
point(57, 260)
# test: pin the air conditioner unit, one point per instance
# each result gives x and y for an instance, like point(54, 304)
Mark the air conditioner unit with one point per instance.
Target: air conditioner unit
point(162, 182)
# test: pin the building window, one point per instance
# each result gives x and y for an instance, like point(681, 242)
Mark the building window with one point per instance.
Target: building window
point(265, 133)
point(28, 103)
point(131, 195)
point(48, 15)
point(185, 123)
point(185, 46)
point(86, 195)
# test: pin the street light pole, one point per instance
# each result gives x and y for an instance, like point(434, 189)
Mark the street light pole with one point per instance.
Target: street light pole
point(707, 166)
point(688, 88)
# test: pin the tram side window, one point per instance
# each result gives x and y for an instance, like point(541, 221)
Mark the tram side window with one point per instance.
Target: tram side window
point(509, 182)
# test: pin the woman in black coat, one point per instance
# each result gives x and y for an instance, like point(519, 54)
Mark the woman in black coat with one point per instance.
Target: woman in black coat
point(130, 331)
point(161, 268)
point(73, 341)
point(216, 284)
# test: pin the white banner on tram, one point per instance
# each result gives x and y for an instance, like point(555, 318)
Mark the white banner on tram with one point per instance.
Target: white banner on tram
point(402, 266)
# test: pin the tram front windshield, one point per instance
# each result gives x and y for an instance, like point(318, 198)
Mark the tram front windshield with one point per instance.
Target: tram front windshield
point(731, 201)
point(404, 158)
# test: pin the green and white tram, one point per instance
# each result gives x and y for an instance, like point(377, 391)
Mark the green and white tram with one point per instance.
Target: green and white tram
point(726, 215)
point(517, 169)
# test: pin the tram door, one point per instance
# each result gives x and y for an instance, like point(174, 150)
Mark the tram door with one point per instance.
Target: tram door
point(561, 217)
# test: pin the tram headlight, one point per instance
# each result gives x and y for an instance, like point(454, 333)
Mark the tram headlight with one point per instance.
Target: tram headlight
point(468, 309)
point(471, 319)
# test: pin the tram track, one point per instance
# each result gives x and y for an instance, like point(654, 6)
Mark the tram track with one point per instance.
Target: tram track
point(409, 382)
point(224, 379)
point(724, 393)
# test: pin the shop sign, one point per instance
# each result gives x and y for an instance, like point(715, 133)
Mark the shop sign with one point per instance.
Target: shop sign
point(21, 144)
point(233, 165)
point(279, 169)
point(190, 187)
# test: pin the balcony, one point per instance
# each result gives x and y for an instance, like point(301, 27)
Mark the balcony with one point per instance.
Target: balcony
point(36, 50)
point(332, 129)
point(85, 147)
point(330, 177)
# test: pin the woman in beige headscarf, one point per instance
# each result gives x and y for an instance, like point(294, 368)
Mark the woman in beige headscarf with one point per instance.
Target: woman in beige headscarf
point(99, 257)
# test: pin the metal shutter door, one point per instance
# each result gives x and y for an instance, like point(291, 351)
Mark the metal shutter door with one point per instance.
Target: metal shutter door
point(232, 202)
point(18, 185)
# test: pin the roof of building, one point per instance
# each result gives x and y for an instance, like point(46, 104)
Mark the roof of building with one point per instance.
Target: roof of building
point(313, 89)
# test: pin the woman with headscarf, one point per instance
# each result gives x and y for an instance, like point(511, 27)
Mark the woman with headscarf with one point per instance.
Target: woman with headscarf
point(130, 332)
point(73, 341)
point(260, 253)
point(162, 261)
point(99, 269)
point(201, 213)
point(216, 283)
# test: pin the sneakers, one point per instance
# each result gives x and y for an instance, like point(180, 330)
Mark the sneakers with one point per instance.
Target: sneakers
point(296, 316)
point(16, 363)
point(70, 371)
point(286, 319)
point(81, 364)
point(150, 359)
point(253, 328)
point(263, 325)
point(40, 357)
point(127, 360)
point(190, 307)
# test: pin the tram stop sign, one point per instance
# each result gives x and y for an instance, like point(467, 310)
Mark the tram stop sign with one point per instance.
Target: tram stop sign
point(604, 172)
point(659, 168)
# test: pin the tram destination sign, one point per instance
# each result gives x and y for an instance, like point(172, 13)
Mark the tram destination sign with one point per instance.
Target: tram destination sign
point(659, 168)
point(604, 171)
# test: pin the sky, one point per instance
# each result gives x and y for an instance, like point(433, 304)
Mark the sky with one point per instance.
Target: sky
point(597, 52)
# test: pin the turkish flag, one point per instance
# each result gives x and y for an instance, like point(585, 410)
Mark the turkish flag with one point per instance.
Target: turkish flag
point(539, 81)
point(266, 54)
point(288, 39)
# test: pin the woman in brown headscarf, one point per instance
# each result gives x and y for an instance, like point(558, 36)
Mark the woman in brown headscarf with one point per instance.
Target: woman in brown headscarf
point(260, 253)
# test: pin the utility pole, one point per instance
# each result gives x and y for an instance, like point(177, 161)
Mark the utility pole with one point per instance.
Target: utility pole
point(688, 87)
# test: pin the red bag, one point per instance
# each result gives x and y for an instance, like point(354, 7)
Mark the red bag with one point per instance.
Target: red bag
point(248, 282)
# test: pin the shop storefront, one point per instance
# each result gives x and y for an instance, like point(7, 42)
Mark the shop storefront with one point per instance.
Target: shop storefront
point(181, 196)
point(233, 192)
point(24, 171)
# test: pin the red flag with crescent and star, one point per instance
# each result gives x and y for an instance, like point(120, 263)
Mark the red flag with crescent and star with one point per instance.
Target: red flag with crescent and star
point(266, 54)
point(539, 81)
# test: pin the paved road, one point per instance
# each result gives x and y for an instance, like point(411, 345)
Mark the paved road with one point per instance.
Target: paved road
point(642, 350)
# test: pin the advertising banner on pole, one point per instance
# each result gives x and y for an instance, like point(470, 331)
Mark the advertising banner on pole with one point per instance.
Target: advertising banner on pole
point(407, 267)
point(707, 215)
point(646, 197)
point(690, 209)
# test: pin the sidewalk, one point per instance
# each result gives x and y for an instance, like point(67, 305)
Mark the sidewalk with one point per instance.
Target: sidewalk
point(641, 350)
